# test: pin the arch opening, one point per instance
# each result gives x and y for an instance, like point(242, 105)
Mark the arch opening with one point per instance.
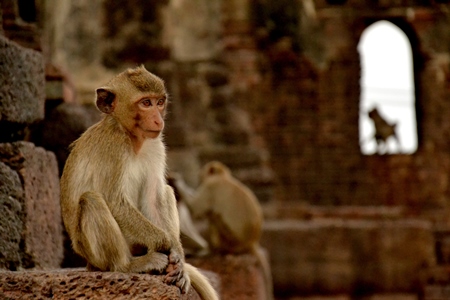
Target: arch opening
point(387, 116)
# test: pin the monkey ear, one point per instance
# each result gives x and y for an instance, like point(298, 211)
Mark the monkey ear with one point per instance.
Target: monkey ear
point(212, 170)
point(105, 100)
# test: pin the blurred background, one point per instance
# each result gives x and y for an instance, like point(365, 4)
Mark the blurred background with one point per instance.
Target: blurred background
point(336, 113)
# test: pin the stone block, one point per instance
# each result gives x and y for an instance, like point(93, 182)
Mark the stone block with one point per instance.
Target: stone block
point(240, 275)
point(42, 233)
point(22, 84)
point(80, 284)
point(195, 29)
point(11, 215)
point(336, 256)
point(436, 292)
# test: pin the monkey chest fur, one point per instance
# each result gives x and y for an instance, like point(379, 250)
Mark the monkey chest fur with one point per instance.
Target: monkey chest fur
point(143, 183)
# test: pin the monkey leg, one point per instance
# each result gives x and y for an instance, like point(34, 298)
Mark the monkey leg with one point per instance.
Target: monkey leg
point(100, 239)
point(139, 232)
point(106, 246)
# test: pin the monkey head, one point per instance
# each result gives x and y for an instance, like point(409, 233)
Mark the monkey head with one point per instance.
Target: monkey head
point(214, 168)
point(137, 99)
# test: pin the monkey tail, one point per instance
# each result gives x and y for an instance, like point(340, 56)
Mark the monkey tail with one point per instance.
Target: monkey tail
point(200, 283)
point(264, 262)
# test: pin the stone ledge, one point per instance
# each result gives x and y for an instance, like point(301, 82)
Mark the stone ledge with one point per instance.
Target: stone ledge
point(240, 275)
point(336, 256)
point(81, 284)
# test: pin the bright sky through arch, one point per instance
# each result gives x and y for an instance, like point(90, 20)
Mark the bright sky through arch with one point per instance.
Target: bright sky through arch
point(387, 82)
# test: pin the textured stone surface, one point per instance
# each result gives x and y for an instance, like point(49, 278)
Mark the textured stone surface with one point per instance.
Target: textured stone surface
point(22, 84)
point(62, 126)
point(240, 275)
point(195, 29)
point(437, 292)
point(348, 256)
point(80, 284)
point(349, 297)
point(42, 235)
point(306, 104)
point(11, 214)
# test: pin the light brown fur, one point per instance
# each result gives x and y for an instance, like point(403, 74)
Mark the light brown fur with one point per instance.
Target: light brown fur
point(117, 208)
point(235, 216)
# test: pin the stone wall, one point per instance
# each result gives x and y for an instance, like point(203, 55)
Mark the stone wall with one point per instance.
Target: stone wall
point(41, 241)
point(288, 75)
point(31, 221)
point(302, 91)
point(19, 80)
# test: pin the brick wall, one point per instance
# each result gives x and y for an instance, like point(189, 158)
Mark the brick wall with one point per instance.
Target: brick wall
point(305, 101)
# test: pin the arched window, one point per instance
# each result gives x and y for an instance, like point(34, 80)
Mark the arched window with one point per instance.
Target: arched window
point(387, 103)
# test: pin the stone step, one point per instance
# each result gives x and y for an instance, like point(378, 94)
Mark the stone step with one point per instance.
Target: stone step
point(337, 256)
point(81, 284)
point(241, 276)
point(349, 297)
point(299, 210)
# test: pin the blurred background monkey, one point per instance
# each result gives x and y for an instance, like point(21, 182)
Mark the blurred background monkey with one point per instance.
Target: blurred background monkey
point(234, 214)
point(117, 208)
point(383, 131)
point(193, 242)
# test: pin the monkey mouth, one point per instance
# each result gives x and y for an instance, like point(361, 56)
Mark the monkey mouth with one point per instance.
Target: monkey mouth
point(152, 133)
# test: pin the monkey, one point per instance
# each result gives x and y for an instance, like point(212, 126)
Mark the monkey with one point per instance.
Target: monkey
point(116, 206)
point(383, 130)
point(192, 241)
point(234, 214)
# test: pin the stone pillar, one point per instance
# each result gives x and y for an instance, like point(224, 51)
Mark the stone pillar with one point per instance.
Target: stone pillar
point(31, 228)
point(38, 209)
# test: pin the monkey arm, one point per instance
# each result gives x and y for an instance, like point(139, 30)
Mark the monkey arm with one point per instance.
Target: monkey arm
point(170, 219)
point(200, 203)
point(175, 270)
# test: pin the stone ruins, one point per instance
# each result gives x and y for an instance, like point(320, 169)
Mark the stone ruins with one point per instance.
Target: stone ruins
point(271, 89)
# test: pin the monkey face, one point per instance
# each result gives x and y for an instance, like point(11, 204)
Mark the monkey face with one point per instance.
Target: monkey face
point(137, 100)
point(149, 115)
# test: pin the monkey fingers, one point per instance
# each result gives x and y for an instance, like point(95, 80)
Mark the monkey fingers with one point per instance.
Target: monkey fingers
point(176, 277)
point(182, 285)
point(174, 273)
point(174, 270)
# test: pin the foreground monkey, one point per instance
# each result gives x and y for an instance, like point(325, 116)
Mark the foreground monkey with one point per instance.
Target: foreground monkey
point(117, 208)
point(235, 216)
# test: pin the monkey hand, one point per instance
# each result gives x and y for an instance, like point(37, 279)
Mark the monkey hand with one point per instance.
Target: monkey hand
point(175, 273)
point(153, 261)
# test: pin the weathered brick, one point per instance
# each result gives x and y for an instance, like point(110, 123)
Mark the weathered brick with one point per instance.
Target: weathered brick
point(11, 215)
point(77, 283)
point(42, 233)
point(22, 84)
point(348, 256)
point(241, 276)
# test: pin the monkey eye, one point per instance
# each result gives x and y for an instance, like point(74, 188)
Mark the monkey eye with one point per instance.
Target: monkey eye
point(146, 102)
point(161, 102)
